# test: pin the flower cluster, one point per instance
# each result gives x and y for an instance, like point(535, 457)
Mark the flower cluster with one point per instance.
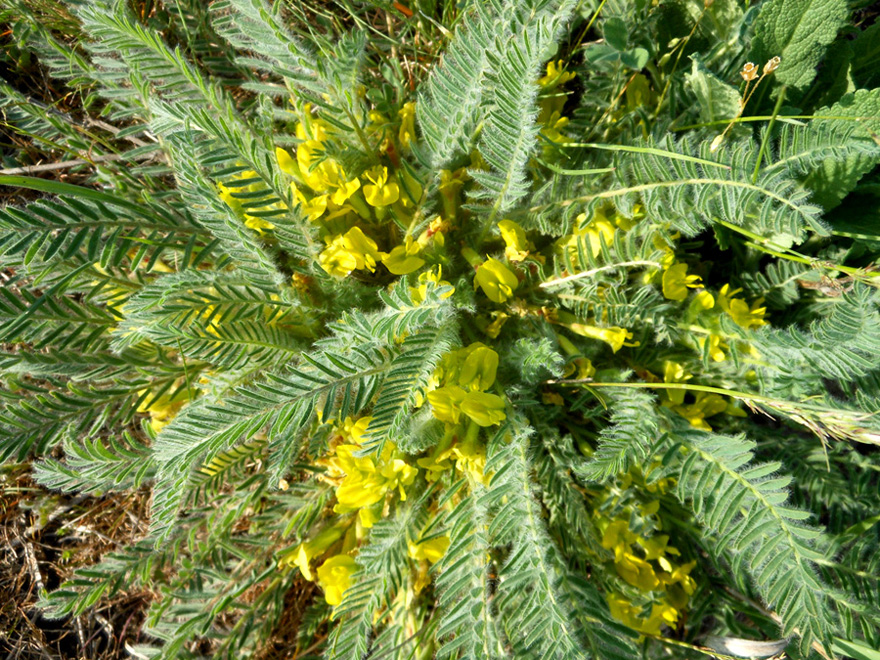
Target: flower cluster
point(463, 377)
point(552, 101)
point(662, 584)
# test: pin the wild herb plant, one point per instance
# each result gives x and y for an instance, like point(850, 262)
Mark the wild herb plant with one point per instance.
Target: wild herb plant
point(527, 329)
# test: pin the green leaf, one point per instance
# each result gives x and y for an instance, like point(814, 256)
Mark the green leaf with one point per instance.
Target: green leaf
point(797, 31)
point(866, 57)
point(717, 99)
point(855, 650)
point(834, 179)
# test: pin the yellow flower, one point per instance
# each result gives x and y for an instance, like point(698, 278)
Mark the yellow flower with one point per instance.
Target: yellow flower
point(355, 430)
point(613, 336)
point(591, 235)
point(305, 552)
point(706, 405)
point(433, 278)
point(470, 459)
point(334, 576)
point(681, 576)
point(496, 280)
point(745, 316)
point(358, 491)
point(397, 474)
point(432, 550)
point(493, 329)
point(434, 232)
point(402, 260)
point(716, 347)
point(623, 610)
point(227, 194)
point(336, 259)
point(344, 190)
point(556, 75)
point(407, 131)
point(676, 282)
point(618, 537)
point(552, 130)
point(410, 189)
point(673, 372)
point(446, 403)
point(163, 409)
point(287, 164)
point(313, 208)
point(580, 369)
point(661, 613)
point(380, 192)
point(514, 236)
point(479, 368)
point(483, 408)
point(702, 301)
point(353, 250)
point(364, 248)
point(637, 572)
point(657, 546)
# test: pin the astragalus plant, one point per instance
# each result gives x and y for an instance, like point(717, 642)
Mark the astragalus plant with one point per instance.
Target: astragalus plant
point(505, 329)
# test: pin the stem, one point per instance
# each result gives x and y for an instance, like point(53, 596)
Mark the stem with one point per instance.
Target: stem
point(588, 273)
point(766, 138)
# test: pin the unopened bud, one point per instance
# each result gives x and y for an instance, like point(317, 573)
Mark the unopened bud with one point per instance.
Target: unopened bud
point(716, 143)
point(749, 71)
point(772, 65)
point(708, 3)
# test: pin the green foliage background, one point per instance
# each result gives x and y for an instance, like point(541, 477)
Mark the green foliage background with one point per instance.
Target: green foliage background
point(171, 318)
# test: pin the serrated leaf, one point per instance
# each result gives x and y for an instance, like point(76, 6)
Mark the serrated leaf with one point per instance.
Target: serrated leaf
point(835, 179)
point(797, 31)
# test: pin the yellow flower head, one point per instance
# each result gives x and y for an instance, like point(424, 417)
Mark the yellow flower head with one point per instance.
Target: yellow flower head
point(287, 164)
point(354, 430)
point(381, 192)
point(638, 572)
point(397, 474)
point(470, 459)
point(493, 329)
point(496, 280)
point(353, 250)
point(318, 172)
point(403, 259)
point(336, 259)
point(313, 208)
point(745, 316)
point(702, 301)
point(446, 403)
point(514, 236)
point(433, 278)
point(613, 336)
point(673, 372)
point(483, 408)
point(407, 132)
point(432, 550)
point(592, 234)
point(676, 282)
point(556, 75)
point(479, 367)
point(305, 552)
point(706, 405)
point(716, 347)
point(334, 576)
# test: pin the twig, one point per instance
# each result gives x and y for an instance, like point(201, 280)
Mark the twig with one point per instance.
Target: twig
point(588, 273)
point(817, 647)
point(76, 162)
